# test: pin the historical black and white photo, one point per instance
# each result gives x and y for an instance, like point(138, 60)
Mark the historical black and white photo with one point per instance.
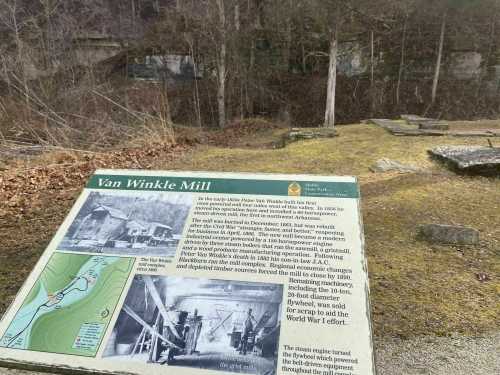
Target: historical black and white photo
point(145, 223)
point(200, 323)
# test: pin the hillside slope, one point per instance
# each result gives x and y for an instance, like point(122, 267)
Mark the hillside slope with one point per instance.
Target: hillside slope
point(419, 291)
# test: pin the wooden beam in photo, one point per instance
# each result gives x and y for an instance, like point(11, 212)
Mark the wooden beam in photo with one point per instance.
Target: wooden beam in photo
point(150, 285)
point(151, 330)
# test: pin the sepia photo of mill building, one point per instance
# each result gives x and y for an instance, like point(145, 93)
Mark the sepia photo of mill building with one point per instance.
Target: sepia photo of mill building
point(128, 225)
point(110, 226)
point(203, 323)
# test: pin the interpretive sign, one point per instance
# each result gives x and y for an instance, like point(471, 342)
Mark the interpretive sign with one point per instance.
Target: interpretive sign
point(190, 272)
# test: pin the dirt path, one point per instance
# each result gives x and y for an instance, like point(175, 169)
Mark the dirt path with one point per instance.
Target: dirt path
point(458, 355)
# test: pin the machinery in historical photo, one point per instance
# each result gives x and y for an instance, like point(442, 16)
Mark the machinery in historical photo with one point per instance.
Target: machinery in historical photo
point(211, 324)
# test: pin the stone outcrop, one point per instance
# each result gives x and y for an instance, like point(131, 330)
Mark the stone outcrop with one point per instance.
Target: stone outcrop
point(470, 159)
point(448, 234)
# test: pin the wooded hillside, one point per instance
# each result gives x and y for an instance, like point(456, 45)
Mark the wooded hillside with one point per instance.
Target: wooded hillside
point(90, 73)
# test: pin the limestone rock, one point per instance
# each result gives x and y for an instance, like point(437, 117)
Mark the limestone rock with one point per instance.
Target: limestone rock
point(416, 120)
point(297, 134)
point(388, 165)
point(301, 133)
point(473, 159)
point(448, 234)
point(433, 125)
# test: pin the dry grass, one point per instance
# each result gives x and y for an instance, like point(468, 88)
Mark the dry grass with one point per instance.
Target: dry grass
point(357, 147)
point(475, 125)
point(417, 288)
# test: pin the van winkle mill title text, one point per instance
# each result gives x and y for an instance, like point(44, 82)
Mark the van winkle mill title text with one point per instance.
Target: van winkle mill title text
point(157, 184)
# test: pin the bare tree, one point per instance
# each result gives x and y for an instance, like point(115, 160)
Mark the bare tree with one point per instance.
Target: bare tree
point(438, 60)
point(402, 59)
point(133, 15)
point(333, 19)
point(10, 11)
point(165, 111)
point(221, 63)
point(372, 70)
point(332, 80)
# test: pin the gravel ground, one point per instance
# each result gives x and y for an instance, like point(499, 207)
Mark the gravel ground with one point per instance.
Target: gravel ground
point(458, 355)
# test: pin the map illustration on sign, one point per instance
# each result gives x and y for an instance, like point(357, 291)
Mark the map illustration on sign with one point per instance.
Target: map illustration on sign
point(70, 305)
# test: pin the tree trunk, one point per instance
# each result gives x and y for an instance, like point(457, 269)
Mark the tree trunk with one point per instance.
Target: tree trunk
point(196, 92)
point(46, 37)
point(484, 69)
point(249, 67)
point(332, 83)
point(240, 70)
point(372, 57)
point(20, 60)
point(132, 3)
point(6, 76)
point(402, 60)
point(237, 17)
point(249, 90)
point(167, 113)
point(372, 71)
point(288, 38)
point(221, 88)
point(304, 57)
point(438, 62)
point(221, 66)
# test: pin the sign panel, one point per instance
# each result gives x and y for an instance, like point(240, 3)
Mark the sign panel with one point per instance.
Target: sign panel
point(205, 273)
